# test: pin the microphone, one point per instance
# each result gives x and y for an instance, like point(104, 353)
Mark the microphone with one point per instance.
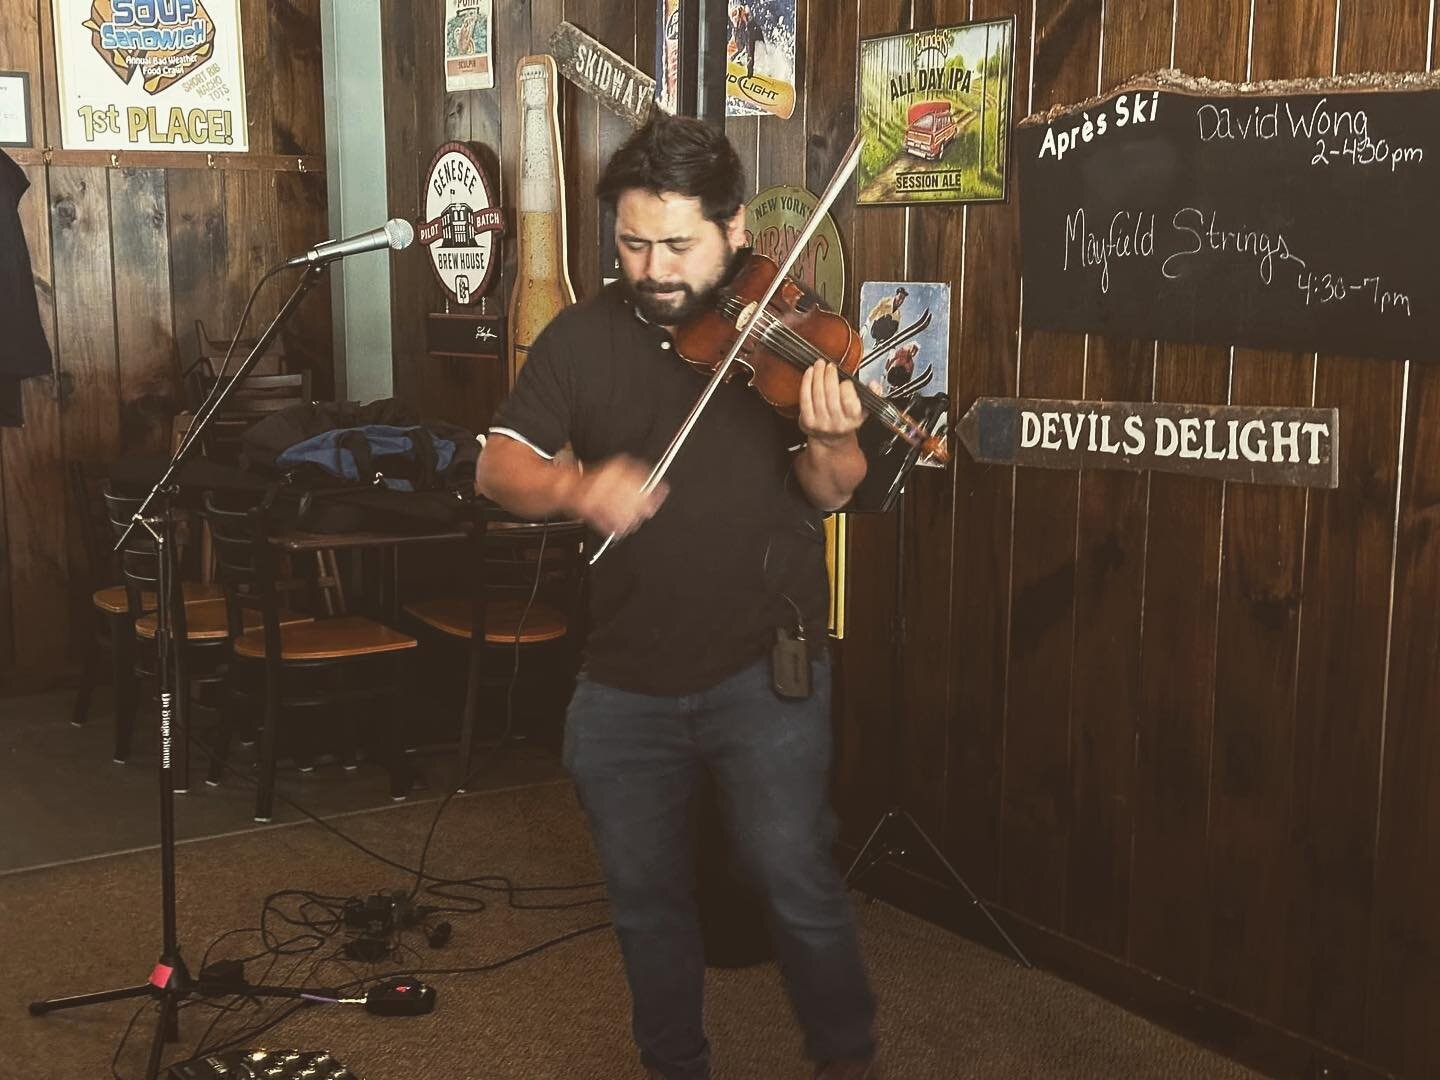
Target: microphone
point(397, 233)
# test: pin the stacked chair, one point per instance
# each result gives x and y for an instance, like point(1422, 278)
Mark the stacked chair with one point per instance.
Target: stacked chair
point(344, 668)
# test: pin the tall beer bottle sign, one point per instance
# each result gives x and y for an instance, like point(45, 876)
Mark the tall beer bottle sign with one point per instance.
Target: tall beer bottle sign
point(542, 281)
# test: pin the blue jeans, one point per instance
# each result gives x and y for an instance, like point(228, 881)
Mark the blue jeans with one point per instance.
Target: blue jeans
point(638, 762)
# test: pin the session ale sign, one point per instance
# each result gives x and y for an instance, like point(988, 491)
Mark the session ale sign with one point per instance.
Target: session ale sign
point(1252, 444)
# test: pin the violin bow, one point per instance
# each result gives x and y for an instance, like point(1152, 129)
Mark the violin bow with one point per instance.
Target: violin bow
point(822, 205)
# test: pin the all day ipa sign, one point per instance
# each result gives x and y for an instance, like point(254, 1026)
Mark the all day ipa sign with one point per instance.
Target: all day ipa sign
point(151, 75)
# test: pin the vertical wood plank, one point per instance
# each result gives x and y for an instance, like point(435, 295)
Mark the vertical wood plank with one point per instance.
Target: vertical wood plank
point(831, 48)
point(1404, 978)
point(199, 252)
point(85, 335)
point(1251, 852)
point(250, 197)
point(1178, 654)
point(414, 127)
point(309, 335)
point(297, 85)
point(1109, 583)
point(1169, 909)
point(579, 139)
point(868, 745)
point(1036, 796)
point(935, 240)
point(1404, 984)
point(1344, 633)
point(85, 312)
point(259, 89)
point(144, 326)
point(987, 315)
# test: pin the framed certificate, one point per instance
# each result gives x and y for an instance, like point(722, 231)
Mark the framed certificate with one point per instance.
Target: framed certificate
point(15, 109)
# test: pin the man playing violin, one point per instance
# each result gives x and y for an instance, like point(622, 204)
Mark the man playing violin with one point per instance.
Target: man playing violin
point(715, 578)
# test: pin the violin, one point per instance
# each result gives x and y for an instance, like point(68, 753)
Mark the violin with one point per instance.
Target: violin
point(790, 333)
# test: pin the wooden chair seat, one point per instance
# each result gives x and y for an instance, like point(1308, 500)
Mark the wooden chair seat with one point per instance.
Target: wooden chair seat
point(452, 615)
point(112, 600)
point(327, 639)
point(205, 621)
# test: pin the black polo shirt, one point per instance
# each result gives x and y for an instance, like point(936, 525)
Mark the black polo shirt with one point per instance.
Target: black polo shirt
point(736, 550)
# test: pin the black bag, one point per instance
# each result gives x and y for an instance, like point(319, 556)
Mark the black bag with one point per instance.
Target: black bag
point(348, 467)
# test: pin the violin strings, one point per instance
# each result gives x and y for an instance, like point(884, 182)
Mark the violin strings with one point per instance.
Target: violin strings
point(808, 355)
point(767, 322)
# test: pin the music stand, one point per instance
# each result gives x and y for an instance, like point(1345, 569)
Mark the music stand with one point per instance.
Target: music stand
point(169, 981)
point(882, 490)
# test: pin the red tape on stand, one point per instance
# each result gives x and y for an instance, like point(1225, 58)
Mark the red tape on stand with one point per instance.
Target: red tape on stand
point(160, 977)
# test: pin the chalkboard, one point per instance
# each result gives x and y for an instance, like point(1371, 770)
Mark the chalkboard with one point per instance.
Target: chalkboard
point(1303, 221)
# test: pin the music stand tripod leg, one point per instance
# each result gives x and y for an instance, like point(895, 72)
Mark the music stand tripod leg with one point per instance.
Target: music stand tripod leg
point(955, 876)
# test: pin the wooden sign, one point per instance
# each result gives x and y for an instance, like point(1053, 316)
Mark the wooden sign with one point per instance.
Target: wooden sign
point(1294, 216)
point(774, 219)
point(462, 222)
point(1251, 444)
point(615, 83)
point(467, 337)
point(542, 283)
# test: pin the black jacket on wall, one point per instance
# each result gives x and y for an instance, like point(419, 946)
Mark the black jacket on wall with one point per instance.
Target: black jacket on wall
point(23, 349)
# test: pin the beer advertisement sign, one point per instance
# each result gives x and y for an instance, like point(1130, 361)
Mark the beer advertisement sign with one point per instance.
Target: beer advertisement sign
point(934, 106)
point(774, 220)
point(462, 222)
point(760, 59)
point(151, 75)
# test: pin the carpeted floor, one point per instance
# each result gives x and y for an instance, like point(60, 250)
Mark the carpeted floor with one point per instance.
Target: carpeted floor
point(949, 1009)
point(64, 798)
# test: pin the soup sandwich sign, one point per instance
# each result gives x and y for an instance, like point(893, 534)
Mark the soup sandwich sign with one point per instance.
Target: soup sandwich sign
point(151, 75)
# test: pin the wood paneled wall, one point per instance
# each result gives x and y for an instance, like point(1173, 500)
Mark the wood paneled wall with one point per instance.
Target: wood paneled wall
point(125, 260)
point(1182, 728)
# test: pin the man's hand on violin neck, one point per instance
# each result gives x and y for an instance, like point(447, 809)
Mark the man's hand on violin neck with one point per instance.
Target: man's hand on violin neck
point(610, 496)
point(830, 409)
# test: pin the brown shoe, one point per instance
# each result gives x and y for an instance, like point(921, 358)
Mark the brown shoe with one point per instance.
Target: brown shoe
point(847, 1070)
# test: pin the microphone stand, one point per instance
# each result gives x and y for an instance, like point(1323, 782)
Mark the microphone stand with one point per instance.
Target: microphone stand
point(169, 982)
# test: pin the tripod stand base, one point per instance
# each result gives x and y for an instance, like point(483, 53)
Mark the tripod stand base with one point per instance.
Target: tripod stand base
point(40, 1008)
point(876, 851)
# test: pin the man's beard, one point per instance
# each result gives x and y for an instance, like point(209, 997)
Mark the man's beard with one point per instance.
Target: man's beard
point(671, 310)
point(682, 301)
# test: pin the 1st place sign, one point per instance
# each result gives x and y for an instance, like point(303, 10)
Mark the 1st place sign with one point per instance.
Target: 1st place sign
point(1252, 444)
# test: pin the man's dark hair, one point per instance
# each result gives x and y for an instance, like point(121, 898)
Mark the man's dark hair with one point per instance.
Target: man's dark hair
point(678, 154)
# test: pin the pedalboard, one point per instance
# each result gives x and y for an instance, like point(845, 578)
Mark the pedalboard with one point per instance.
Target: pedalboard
point(263, 1065)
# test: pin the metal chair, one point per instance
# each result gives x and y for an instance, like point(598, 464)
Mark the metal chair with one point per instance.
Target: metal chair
point(285, 667)
point(198, 663)
point(525, 589)
point(257, 397)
